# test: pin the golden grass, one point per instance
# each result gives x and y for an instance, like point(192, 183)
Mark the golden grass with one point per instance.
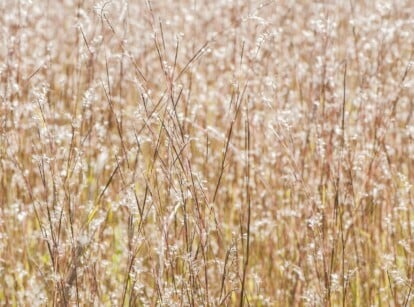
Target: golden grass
point(206, 153)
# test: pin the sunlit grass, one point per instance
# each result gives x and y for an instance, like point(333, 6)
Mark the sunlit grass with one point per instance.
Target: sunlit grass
point(206, 153)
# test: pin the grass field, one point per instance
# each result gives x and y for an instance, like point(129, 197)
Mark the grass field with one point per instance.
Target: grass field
point(206, 153)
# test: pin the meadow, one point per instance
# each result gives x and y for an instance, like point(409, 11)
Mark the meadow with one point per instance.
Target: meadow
point(206, 153)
